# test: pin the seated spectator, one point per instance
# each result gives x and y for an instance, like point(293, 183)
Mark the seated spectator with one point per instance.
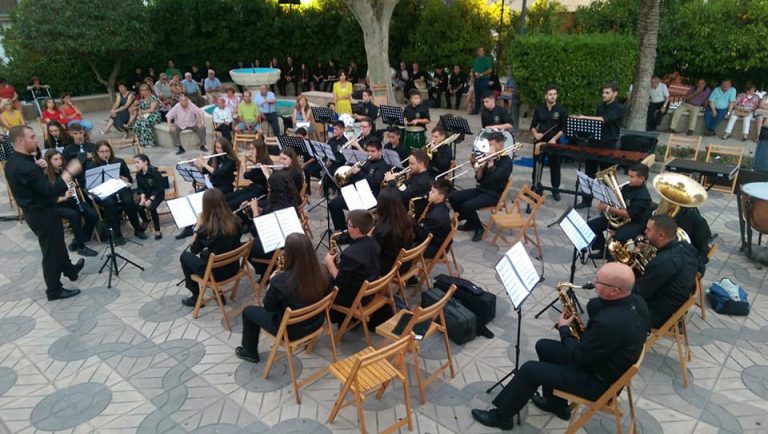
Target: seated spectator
point(152, 72)
point(138, 78)
point(186, 116)
point(231, 100)
point(746, 104)
point(318, 77)
point(696, 98)
point(302, 116)
point(148, 117)
point(119, 115)
point(7, 91)
point(212, 86)
point(657, 105)
point(192, 90)
point(456, 85)
point(71, 115)
point(222, 119)
point(248, 115)
point(761, 113)
point(721, 102)
point(266, 102)
point(10, 117)
point(51, 112)
point(163, 91)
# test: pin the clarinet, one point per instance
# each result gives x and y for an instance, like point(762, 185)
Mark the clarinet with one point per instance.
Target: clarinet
point(72, 186)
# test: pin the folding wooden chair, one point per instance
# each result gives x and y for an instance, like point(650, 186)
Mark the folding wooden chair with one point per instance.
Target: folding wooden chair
point(120, 143)
point(381, 295)
point(216, 261)
point(607, 403)
point(675, 328)
point(441, 256)
point(435, 317)
point(701, 299)
point(281, 338)
point(370, 370)
point(172, 191)
point(516, 219)
point(501, 204)
point(380, 94)
point(271, 263)
point(681, 146)
point(418, 266)
point(240, 138)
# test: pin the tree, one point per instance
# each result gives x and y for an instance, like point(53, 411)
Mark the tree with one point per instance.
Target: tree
point(100, 33)
point(647, 34)
point(374, 17)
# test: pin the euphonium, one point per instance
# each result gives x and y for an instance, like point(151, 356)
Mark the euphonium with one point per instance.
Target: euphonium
point(577, 327)
point(344, 173)
point(608, 176)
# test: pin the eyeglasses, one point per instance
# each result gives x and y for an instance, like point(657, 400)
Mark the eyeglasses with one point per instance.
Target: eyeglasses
point(597, 282)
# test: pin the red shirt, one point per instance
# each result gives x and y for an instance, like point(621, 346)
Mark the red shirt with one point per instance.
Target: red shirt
point(69, 111)
point(7, 91)
point(48, 116)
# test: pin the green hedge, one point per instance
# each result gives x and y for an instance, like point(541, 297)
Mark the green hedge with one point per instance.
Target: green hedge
point(577, 64)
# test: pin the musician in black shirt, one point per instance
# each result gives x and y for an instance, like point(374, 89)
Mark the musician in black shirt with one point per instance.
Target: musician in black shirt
point(456, 86)
point(151, 192)
point(221, 170)
point(697, 228)
point(418, 180)
point(258, 174)
point(547, 127)
point(670, 277)
point(335, 142)
point(439, 87)
point(367, 109)
point(494, 116)
point(416, 113)
point(491, 177)
point(613, 341)
point(37, 196)
point(638, 201)
point(442, 157)
point(437, 220)
point(79, 147)
point(393, 135)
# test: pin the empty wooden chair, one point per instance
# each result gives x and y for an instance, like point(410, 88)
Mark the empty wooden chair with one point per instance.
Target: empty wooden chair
point(686, 147)
point(517, 219)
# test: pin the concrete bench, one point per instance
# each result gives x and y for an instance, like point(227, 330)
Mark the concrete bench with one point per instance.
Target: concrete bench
point(719, 131)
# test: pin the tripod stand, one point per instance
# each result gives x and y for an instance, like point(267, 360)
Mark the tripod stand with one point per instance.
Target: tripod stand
point(111, 260)
point(327, 231)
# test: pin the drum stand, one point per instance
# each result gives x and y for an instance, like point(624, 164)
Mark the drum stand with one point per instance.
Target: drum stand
point(111, 260)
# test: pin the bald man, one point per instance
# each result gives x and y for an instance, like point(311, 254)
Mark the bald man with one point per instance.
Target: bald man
point(614, 338)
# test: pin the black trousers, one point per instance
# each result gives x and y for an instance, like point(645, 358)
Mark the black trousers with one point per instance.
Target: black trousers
point(467, 202)
point(82, 232)
point(457, 95)
point(281, 85)
point(225, 130)
point(256, 318)
point(46, 226)
point(192, 264)
point(274, 122)
point(654, 116)
point(112, 210)
point(554, 170)
point(152, 208)
point(312, 171)
point(551, 372)
point(600, 224)
point(336, 206)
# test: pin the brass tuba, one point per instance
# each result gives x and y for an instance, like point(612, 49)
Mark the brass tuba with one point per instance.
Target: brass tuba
point(676, 191)
point(608, 177)
point(577, 327)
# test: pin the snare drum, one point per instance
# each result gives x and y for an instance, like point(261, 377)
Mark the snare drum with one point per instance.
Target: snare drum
point(414, 137)
point(481, 145)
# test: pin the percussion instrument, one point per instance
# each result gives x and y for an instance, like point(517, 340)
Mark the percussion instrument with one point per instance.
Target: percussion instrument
point(754, 203)
point(414, 137)
point(481, 145)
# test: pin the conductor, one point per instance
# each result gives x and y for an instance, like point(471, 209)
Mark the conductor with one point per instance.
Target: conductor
point(36, 196)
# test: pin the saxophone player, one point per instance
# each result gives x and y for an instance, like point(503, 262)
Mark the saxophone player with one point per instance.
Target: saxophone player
point(638, 201)
point(418, 179)
point(612, 342)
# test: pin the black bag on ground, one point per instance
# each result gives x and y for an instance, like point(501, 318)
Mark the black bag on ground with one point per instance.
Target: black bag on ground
point(473, 297)
point(459, 321)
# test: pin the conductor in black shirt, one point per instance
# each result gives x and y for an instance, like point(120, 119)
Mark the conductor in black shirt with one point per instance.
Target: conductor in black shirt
point(612, 342)
point(37, 196)
point(491, 177)
point(670, 277)
point(493, 116)
point(437, 220)
point(547, 127)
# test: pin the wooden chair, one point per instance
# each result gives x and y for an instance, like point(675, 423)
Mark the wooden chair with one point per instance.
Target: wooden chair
point(242, 182)
point(501, 204)
point(304, 217)
point(675, 328)
point(281, 338)
point(370, 370)
point(441, 256)
point(678, 145)
point(729, 154)
point(271, 263)
point(607, 403)
point(206, 281)
point(516, 219)
point(121, 143)
point(172, 192)
point(240, 138)
point(418, 266)
point(381, 295)
point(380, 94)
point(434, 314)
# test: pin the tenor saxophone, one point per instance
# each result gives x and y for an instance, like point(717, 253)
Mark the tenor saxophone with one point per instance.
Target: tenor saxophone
point(577, 327)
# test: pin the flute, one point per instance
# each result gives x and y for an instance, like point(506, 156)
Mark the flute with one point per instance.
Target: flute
point(205, 157)
point(247, 204)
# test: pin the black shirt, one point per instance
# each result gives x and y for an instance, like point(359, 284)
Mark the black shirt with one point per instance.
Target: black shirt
point(417, 185)
point(373, 171)
point(549, 121)
point(56, 142)
point(84, 152)
point(438, 223)
point(456, 82)
point(697, 228)
point(495, 178)
point(335, 143)
point(441, 160)
point(495, 116)
point(440, 80)
point(368, 109)
point(223, 177)
point(613, 340)
point(402, 151)
point(357, 263)
point(205, 244)
point(29, 185)
point(668, 280)
point(391, 242)
point(282, 295)
point(638, 202)
point(763, 133)
point(420, 111)
point(150, 184)
point(613, 115)
point(417, 75)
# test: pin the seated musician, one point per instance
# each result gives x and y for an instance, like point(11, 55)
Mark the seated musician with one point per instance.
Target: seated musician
point(259, 158)
point(491, 176)
point(336, 140)
point(418, 178)
point(367, 134)
point(79, 147)
point(357, 263)
point(372, 171)
point(697, 228)
point(151, 191)
point(367, 109)
point(221, 170)
point(638, 201)
point(57, 136)
point(416, 113)
point(548, 126)
point(493, 116)
point(217, 231)
point(612, 342)
point(394, 143)
point(292, 165)
point(72, 209)
point(443, 156)
point(310, 167)
point(670, 277)
point(394, 228)
point(437, 220)
point(303, 282)
point(123, 198)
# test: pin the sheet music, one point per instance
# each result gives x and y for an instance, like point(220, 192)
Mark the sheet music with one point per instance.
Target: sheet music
point(523, 265)
point(610, 195)
point(577, 230)
point(515, 289)
point(351, 197)
point(207, 181)
point(585, 182)
point(366, 195)
point(196, 201)
point(289, 221)
point(573, 234)
point(108, 188)
point(186, 209)
point(391, 157)
point(269, 232)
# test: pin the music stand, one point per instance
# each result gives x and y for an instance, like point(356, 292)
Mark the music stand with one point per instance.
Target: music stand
point(298, 144)
point(392, 115)
point(111, 261)
point(584, 129)
point(98, 175)
point(327, 231)
point(354, 156)
point(455, 124)
point(391, 157)
point(323, 115)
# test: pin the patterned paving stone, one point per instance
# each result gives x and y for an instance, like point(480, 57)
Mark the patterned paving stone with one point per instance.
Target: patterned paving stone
point(69, 348)
point(167, 308)
point(15, 327)
point(249, 375)
point(8, 378)
point(602, 423)
point(756, 380)
point(71, 406)
point(300, 426)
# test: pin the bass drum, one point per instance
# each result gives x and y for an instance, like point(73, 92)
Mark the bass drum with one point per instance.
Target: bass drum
point(481, 145)
point(754, 203)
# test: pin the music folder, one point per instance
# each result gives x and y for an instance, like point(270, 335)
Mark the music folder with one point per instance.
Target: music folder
point(185, 209)
point(517, 274)
point(274, 228)
point(358, 196)
point(576, 229)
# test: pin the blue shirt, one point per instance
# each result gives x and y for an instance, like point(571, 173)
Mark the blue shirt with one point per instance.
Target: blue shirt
point(264, 107)
point(723, 99)
point(191, 87)
point(210, 85)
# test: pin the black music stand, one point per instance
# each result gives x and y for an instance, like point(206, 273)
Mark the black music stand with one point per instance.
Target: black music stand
point(327, 231)
point(392, 115)
point(298, 144)
point(323, 115)
point(111, 261)
point(455, 124)
point(584, 129)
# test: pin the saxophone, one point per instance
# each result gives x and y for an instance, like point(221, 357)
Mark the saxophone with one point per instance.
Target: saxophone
point(280, 263)
point(608, 177)
point(577, 327)
point(412, 205)
point(333, 247)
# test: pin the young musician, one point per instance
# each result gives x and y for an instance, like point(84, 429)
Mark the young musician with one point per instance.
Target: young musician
point(437, 220)
point(491, 177)
point(257, 174)
point(670, 277)
point(221, 170)
point(494, 116)
point(217, 231)
point(57, 136)
point(367, 109)
point(418, 181)
point(70, 208)
point(366, 134)
point(394, 228)
point(443, 156)
point(612, 342)
point(292, 165)
point(151, 191)
point(393, 135)
point(359, 262)
point(548, 126)
point(336, 140)
point(303, 282)
point(80, 147)
point(416, 113)
point(372, 171)
point(638, 201)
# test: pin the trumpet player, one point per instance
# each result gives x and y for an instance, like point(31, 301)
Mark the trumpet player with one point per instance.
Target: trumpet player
point(612, 342)
point(638, 201)
point(491, 177)
point(418, 179)
point(442, 157)
point(437, 220)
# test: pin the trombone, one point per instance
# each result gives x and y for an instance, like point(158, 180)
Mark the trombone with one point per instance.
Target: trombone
point(480, 162)
point(431, 147)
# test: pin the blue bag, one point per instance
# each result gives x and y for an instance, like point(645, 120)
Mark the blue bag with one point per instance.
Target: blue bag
point(727, 298)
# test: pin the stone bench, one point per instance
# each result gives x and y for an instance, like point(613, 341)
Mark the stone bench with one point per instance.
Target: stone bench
point(719, 131)
point(188, 138)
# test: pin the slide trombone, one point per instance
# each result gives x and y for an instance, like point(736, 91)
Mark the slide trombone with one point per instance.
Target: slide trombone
point(480, 162)
point(431, 147)
point(205, 157)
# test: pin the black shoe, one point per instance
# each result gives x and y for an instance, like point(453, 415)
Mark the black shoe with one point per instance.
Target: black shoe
point(72, 273)
point(466, 227)
point(556, 196)
point(493, 419)
point(203, 148)
point(583, 204)
point(689, 133)
point(140, 235)
point(190, 301)
point(72, 246)
point(245, 355)
point(180, 151)
point(563, 412)
point(120, 241)
point(187, 232)
point(85, 251)
point(486, 332)
point(159, 236)
point(62, 294)
point(478, 235)
point(143, 226)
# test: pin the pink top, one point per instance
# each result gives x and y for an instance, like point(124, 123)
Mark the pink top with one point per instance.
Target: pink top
point(744, 102)
point(48, 116)
point(184, 118)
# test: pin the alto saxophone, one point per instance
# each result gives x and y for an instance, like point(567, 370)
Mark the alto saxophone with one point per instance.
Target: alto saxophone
point(412, 205)
point(577, 326)
point(333, 246)
point(280, 263)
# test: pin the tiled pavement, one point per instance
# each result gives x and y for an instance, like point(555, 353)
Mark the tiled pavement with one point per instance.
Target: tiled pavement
point(131, 358)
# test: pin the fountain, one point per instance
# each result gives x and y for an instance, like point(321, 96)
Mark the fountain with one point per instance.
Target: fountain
point(252, 78)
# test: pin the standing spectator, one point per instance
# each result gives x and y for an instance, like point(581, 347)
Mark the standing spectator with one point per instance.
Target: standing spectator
point(172, 69)
point(212, 86)
point(266, 102)
point(71, 115)
point(222, 119)
point(746, 104)
point(192, 89)
point(342, 94)
point(186, 116)
point(275, 64)
point(198, 76)
point(353, 74)
point(50, 111)
point(721, 102)
point(318, 77)
point(657, 106)
point(695, 99)
point(148, 117)
point(439, 87)
point(482, 66)
point(119, 114)
point(151, 72)
point(38, 91)
point(456, 85)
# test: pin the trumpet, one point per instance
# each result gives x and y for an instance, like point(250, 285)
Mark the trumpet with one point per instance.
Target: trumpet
point(351, 141)
point(205, 157)
point(577, 327)
point(480, 162)
point(400, 178)
point(431, 147)
point(247, 204)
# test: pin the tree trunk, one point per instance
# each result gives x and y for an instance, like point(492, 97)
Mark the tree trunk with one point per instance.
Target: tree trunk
point(374, 17)
point(112, 80)
point(647, 34)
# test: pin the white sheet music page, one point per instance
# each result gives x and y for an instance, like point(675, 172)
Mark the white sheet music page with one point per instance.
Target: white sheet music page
point(196, 200)
point(581, 225)
point(515, 288)
point(289, 221)
point(270, 235)
point(573, 234)
point(108, 188)
point(585, 182)
point(366, 195)
point(523, 265)
point(207, 181)
point(352, 197)
point(182, 213)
